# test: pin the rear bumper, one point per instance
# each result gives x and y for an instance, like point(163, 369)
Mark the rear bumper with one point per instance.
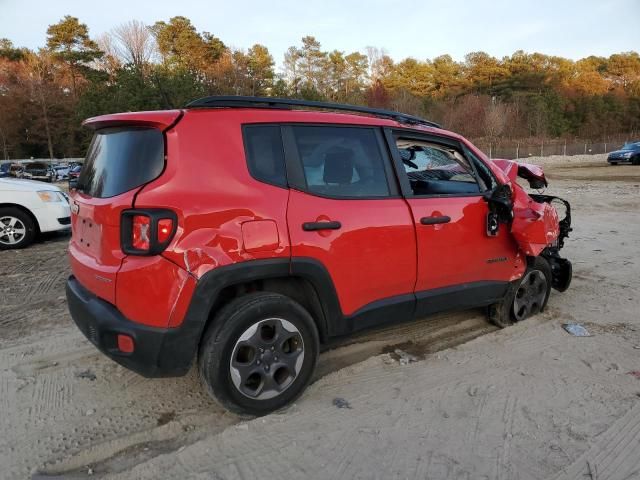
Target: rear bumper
point(158, 352)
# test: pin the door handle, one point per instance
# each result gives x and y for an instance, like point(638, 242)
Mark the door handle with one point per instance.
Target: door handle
point(435, 220)
point(315, 226)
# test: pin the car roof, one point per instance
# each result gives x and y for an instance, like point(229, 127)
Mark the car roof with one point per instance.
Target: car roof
point(165, 119)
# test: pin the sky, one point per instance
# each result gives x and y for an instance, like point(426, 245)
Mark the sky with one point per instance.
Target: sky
point(408, 28)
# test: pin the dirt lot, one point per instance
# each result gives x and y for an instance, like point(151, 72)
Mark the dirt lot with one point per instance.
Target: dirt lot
point(525, 402)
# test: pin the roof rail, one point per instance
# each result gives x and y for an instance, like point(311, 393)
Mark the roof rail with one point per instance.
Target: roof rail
point(232, 101)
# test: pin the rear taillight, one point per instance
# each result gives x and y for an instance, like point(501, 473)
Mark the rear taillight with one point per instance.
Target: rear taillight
point(148, 231)
point(140, 234)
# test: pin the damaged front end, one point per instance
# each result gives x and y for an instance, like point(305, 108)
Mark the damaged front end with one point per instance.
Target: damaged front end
point(539, 223)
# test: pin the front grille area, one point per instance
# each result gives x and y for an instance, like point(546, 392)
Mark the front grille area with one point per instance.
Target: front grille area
point(64, 220)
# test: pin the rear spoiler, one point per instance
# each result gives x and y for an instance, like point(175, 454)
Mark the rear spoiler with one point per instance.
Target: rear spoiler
point(160, 119)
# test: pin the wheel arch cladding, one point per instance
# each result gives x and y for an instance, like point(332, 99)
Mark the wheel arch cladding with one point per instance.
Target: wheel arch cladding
point(278, 275)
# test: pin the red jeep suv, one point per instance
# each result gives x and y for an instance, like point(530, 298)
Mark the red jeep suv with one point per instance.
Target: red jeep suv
point(244, 232)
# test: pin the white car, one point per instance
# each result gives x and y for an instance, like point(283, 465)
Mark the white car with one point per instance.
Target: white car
point(27, 208)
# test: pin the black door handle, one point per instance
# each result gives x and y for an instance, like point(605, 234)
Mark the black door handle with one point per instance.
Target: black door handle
point(435, 220)
point(315, 226)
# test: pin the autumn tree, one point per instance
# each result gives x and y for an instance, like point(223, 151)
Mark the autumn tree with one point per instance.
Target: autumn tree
point(69, 42)
point(260, 69)
point(312, 63)
point(291, 70)
point(180, 45)
point(134, 44)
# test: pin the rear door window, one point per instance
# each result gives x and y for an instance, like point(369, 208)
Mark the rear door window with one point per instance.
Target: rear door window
point(121, 159)
point(341, 162)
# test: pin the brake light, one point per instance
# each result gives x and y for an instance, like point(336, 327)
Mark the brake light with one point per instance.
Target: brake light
point(147, 232)
point(140, 232)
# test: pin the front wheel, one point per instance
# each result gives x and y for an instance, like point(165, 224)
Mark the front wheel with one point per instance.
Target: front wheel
point(525, 297)
point(259, 353)
point(17, 229)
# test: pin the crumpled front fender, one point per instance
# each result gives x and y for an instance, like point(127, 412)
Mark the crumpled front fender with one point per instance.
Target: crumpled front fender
point(534, 174)
point(535, 225)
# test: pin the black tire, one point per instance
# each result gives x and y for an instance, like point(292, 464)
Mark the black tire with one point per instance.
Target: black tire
point(536, 278)
point(17, 229)
point(218, 351)
point(613, 163)
point(635, 160)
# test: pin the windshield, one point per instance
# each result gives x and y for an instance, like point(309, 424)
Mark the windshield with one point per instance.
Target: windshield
point(121, 159)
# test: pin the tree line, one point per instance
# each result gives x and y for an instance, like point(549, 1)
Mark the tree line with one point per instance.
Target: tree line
point(45, 94)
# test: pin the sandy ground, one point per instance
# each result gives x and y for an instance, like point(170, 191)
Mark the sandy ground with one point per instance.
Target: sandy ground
point(526, 402)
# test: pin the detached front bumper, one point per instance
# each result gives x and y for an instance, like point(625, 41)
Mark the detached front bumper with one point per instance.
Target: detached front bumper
point(158, 352)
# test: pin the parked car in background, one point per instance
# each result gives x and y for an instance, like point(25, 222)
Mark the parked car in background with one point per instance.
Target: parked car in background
point(74, 174)
point(38, 171)
point(242, 238)
point(4, 170)
point(61, 172)
point(14, 170)
point(628, 153)
point(28, 208)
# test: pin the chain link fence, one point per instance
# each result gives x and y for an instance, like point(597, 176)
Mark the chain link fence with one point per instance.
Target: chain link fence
point(513, 149)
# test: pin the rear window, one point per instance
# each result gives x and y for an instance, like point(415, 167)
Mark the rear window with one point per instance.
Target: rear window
point(121, 159)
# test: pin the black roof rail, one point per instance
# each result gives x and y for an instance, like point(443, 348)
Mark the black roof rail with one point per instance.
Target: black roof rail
point(232, 101)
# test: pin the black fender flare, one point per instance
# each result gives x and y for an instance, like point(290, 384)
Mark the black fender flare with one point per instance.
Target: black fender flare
point(186, 338)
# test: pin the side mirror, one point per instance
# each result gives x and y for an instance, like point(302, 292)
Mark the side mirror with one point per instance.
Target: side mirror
point(500, 208)
point(73, 183)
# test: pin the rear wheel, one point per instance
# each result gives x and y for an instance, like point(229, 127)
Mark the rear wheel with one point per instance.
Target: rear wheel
point(526, 297)
point(17, 229)
point(259, 353)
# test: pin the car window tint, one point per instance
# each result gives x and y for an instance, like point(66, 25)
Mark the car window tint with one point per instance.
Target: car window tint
point(435, 169)
point(121, 159)
point(265, 157)
point(341, 161)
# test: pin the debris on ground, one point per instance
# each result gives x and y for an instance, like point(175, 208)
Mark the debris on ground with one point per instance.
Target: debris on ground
point(405, 358)
point(576, 329)
point(88, 374)
point(635, 373)
point(341, 403)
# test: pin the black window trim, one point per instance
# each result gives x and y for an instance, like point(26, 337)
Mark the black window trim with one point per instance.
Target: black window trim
point(245, 145)
point(295, 172)
point(473, 159)
point(391, 134)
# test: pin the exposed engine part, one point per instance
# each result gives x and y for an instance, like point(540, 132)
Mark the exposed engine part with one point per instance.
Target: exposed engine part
point(565, 223)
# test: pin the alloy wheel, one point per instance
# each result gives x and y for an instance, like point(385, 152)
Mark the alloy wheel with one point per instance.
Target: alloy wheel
point(267, 358)
point(12, 230)
point(530, 295)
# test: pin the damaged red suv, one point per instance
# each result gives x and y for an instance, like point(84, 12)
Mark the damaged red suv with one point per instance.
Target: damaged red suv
point(243, 232)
